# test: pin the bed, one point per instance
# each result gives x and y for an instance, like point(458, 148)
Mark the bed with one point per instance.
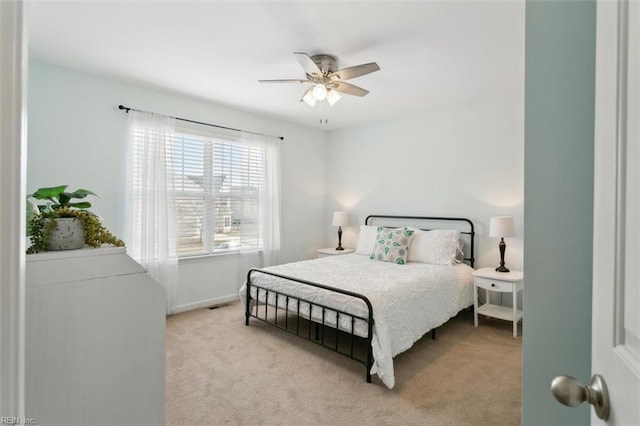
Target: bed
point(366, 309)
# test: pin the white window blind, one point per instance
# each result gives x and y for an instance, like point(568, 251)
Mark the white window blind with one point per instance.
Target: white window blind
point(218, 184)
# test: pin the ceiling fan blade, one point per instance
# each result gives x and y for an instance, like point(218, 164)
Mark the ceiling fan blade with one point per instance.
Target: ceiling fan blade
point(348, 88)
point(285, 81)
point(357, 71)
point(307, 64)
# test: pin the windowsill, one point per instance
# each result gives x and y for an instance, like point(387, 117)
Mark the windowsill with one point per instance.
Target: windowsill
point(197, 258)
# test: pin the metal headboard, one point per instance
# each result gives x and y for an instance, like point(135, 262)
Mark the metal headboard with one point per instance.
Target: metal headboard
point(466, 224)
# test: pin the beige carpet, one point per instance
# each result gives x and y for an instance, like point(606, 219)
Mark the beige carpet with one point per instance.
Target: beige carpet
point(221, 372)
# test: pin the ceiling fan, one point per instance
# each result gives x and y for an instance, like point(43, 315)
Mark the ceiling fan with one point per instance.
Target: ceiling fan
point(327, 81)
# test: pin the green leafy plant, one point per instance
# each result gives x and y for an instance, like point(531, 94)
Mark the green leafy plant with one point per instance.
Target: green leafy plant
point(31, 210)
point(58, 205)
point(58, 198)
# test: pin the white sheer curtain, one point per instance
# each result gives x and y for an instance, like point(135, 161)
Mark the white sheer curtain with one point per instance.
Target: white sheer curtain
point(268, 204)
point(150, 231)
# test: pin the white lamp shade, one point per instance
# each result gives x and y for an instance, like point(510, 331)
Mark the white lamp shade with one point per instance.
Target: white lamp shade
point(333, 97)
point(340, 219)
point(502, 226)
point(308, 98)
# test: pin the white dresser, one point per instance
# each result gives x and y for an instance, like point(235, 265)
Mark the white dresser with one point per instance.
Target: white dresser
point(95, 339)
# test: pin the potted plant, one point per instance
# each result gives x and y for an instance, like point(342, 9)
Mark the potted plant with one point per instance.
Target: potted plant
point(64, 225)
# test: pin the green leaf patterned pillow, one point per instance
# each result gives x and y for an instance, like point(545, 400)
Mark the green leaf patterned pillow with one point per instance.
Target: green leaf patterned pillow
point(392, 245)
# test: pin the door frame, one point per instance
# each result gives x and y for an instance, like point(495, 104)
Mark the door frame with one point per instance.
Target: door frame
point(13, 159)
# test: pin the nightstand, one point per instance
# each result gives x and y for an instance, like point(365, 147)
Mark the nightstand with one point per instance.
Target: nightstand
point(331, 251)
point(504, 282)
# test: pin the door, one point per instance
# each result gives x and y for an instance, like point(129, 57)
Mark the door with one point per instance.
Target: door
point(616, 261)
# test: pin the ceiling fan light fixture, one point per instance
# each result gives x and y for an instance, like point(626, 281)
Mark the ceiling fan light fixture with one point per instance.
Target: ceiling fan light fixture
point(320, 92)
point(333, 97)
point(309, 99)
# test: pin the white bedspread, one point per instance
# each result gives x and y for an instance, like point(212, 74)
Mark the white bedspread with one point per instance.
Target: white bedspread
point(408, 300)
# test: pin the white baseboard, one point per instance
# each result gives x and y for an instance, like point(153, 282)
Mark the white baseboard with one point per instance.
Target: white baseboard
point(204, 303)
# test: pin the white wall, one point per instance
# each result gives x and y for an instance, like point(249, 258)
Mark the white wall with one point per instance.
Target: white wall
point(77, 137)
point(464, 161)
point(455, 161)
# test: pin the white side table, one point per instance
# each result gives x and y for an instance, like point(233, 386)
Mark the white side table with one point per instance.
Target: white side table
point(331, 251)
point(505, 282)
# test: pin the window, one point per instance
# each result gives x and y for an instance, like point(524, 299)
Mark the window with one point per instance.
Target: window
point(218, 184)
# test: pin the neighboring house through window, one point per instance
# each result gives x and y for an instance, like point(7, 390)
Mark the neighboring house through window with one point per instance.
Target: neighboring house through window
point(218, 182)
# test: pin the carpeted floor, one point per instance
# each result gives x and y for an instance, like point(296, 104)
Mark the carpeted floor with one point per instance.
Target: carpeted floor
point(221, 372)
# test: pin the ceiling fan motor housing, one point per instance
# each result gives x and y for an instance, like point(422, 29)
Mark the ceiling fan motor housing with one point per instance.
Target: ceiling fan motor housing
point(326, 63)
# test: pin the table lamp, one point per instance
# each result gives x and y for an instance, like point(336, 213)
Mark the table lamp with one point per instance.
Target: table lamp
point(340, 219)
point(501, 227)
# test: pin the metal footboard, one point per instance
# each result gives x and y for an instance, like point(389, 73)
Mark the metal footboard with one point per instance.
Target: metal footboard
point(275, 314)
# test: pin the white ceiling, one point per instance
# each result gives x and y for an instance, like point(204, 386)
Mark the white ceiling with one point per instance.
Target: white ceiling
point(431, 53)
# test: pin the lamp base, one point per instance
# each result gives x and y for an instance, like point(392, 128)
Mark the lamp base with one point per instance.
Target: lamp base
point(339, 238)
point(502, 246)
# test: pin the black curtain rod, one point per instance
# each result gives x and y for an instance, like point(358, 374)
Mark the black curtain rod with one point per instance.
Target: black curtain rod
point(127, 109)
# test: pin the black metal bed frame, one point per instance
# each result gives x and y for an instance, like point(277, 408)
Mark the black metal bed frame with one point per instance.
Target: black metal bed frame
point(290, 320)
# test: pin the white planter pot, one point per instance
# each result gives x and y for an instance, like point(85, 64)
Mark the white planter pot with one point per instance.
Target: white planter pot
point(68, 235)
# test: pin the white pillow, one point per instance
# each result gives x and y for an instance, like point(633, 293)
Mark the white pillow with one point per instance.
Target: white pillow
point(438, 247)
point(460, 251)
point(366, 239)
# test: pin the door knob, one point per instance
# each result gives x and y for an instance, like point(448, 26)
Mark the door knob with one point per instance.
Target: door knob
point(572, 393)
